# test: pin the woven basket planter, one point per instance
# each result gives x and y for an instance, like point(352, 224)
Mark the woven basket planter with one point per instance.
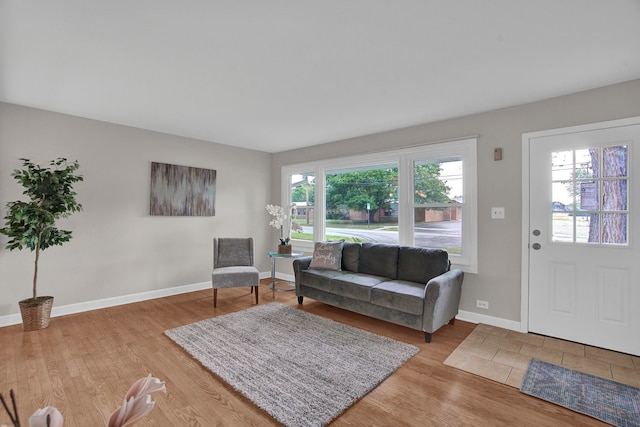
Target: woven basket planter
point(36, 313)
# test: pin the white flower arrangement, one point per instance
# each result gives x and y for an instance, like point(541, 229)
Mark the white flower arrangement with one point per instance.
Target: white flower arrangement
point(279, 221)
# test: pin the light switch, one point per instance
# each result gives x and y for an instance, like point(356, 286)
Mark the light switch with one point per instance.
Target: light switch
point(497, 213)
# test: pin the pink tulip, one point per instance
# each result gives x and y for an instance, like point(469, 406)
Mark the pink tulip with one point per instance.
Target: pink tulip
point(137, 402)
point(39, 418)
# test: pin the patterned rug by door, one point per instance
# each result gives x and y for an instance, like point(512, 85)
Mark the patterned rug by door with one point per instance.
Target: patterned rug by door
point(606, 400)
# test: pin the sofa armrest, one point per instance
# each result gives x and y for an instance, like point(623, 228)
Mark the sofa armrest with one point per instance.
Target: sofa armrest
point(300, 264)
point(442, 299)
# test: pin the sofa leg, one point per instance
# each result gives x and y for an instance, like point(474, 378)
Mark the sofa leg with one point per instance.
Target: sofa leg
point(215, 297)
point(452, 321)
point(427, 337)
point(300, 300)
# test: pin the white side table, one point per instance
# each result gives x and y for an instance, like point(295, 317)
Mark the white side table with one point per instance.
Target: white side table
point(288, 287)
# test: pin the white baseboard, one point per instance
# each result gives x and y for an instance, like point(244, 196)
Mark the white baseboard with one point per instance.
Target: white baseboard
point(286, 277)
point(10, 319)
point(468, 316)
point(14, 319)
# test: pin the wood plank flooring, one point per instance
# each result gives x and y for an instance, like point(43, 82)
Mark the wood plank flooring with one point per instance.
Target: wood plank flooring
point(84, 363)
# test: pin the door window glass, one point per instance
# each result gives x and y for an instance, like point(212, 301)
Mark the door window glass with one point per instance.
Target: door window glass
point(589, 206)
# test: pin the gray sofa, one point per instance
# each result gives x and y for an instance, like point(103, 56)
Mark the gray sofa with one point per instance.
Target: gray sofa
point(410, 286)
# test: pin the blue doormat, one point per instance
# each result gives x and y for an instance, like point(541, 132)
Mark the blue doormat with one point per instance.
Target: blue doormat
point(606, 400)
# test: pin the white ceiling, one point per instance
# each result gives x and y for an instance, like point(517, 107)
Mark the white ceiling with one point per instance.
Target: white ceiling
point(274, 75)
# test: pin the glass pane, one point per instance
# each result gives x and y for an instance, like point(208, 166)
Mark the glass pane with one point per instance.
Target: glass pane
point(562, 165)
point(587, 227)
point(562, 227)
point(588, 200)
point(438, 181)
point(362, 204)
point(587, 163)
point(614, 228)
point(615, 161)
point(439, 228)
point(303, 192)
point(614, 195)
point(562, 196)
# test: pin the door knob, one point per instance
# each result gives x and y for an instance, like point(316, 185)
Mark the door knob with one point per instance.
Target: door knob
point(536, 246)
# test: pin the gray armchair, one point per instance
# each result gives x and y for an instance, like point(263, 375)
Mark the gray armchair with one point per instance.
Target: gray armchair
point(233, 265)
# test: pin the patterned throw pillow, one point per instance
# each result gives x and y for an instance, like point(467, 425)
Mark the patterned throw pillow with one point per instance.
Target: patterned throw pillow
point(327, 256)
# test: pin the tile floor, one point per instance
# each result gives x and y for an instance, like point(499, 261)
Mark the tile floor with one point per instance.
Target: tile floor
point(503, 355)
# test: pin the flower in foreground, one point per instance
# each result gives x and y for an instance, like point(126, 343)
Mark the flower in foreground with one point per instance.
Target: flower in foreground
point(39, 418)
point(137, 402)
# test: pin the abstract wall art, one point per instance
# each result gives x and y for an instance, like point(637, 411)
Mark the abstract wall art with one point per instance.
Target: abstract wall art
point(182, 190)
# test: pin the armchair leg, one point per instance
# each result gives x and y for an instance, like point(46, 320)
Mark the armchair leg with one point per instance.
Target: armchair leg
point(215, 297)
point(256, 293)
point(300, 300)
point(427, 337)
point(452, 321)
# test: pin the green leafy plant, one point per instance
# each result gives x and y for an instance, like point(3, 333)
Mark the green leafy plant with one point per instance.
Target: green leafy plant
point(32, 224)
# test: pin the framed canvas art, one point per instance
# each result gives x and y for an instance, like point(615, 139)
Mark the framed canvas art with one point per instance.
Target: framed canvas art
point(182, 190)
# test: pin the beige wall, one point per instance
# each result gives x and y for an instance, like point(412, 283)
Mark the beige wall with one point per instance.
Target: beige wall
point(118, 248)
point(499, 182)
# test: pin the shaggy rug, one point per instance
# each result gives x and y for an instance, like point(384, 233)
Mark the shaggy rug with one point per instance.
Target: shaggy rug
point(606, 400)
point(303, 369)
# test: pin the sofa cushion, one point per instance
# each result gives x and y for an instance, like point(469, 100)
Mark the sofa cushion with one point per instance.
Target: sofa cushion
point(400, 295)
point(354, 285)
point(319, 279)
point(327, 255)
point(379, 260)
point(351, 256)
point(421, 264)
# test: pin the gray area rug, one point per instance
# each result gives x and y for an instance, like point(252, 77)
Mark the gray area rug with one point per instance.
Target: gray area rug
point(303, 369)
point(606, 400)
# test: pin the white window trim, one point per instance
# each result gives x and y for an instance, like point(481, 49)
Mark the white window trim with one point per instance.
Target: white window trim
point(466, 148)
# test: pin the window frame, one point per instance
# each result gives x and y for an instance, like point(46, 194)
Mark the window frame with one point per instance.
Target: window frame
point(405, 158)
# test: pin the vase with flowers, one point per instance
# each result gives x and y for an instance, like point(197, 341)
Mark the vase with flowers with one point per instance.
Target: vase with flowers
point(283, 221)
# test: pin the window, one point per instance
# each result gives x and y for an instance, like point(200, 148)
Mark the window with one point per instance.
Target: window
point(302, 195)
point(438, 203)
point(423, 196)
point(361, 203)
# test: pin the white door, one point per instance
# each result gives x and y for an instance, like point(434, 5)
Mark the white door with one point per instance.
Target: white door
point(584, 237)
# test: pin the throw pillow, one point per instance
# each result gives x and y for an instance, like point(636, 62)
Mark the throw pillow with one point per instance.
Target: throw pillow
point(327, 256)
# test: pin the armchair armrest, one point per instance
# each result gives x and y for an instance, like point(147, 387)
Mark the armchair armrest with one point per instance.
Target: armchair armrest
point(442, 299)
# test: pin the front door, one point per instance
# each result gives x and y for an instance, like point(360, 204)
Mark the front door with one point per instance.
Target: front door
point(584, 236)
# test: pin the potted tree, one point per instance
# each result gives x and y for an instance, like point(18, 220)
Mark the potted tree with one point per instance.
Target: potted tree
point(32, 224)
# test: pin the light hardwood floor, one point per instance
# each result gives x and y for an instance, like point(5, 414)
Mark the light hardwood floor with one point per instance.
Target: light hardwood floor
point(84, 363)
